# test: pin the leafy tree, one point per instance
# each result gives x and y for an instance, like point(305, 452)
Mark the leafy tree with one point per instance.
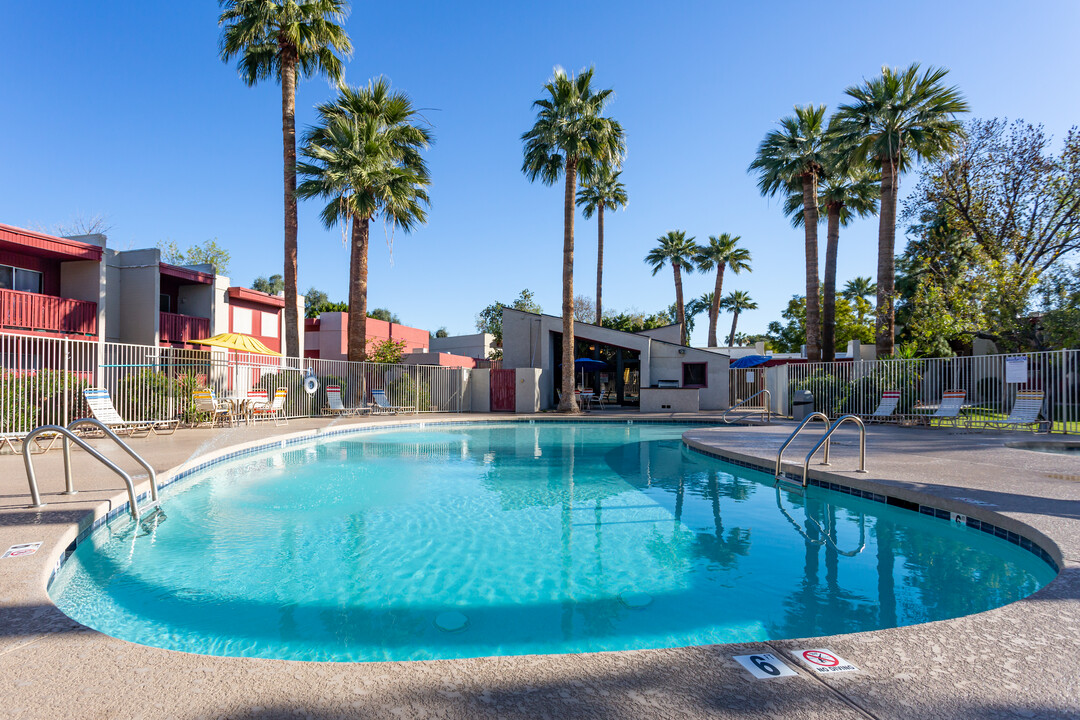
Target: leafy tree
point(272, 285)
point(794, 156)
point(313, 297)
point(846, 192)
point(314, 311)
point(489, 320)
point(722, 252)
point(384, 315)
point(790, 336)
point(1059, 294)
point(598, 193)
point(570, 138)
point(285, 40)
point(632, 320)
point(386, 351)
point(207, 253)
point(364, 157)
point(892, 121)
point(680, 252)
point(736, 302)
point(857, 290)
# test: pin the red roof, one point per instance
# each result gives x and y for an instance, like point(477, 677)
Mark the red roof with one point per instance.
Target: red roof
point(18, 239)
point(186, 274)
point(254, 296)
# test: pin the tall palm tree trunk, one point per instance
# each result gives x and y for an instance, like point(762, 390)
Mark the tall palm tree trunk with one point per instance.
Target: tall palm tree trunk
point(599, 261)
point(567, 401)
point(734, 323)
point(813, 310)
point(828, 324)
point(714, 308)
point(358, 272)
point(288, 136)
point(680, 309)
point(886, 264)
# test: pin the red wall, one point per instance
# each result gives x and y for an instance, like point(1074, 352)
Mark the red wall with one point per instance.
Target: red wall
point(274, 343)
point(48, 267)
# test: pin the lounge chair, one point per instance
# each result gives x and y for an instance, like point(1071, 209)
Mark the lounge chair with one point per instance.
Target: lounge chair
point(335, 406)
point(947, 413)
point(103, 410)
point(10, 440)
point(885, 409)
point(274, 409)
point(1025, 412)
point(382, 405)
point(219, 410)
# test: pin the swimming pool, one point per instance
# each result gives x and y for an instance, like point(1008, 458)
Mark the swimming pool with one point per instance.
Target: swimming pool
point(514, 538)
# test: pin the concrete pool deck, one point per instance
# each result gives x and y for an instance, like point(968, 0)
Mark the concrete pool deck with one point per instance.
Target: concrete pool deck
point(1021, 660)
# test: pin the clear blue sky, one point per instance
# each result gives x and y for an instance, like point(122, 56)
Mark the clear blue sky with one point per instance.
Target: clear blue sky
point(123, 108)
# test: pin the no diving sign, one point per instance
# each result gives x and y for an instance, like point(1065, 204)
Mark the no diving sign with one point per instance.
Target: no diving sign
point(824, 661)
point(21, 549)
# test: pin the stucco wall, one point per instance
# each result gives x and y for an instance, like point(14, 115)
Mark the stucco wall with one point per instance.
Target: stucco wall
point(480, 390)
point(670, 400)
point(85, 280)
point(132, 313)
point(477, 345)
point(527, 390)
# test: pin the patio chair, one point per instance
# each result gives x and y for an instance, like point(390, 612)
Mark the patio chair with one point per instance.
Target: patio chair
point(103, 410)
point(382, 405)
point(947, 413)
point(219, 410)
point(10, 440)
point(1026, 410)
point(334, 406)
point(885, 409)
point(274, 409)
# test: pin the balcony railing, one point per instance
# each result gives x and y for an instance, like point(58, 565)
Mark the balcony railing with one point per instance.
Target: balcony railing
point(37, 312)
point(177, 328)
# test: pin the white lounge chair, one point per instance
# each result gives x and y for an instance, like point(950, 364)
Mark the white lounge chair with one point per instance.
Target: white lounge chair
point(382, 405)
point(274, 409)
point(1025, 411)
point(885, 409)
point(103, 410)
point(335, 406)
point(219, 410)
point(947, 413)
point(10, 440)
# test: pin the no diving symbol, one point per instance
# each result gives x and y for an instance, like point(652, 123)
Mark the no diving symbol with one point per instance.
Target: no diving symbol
point(819, 657)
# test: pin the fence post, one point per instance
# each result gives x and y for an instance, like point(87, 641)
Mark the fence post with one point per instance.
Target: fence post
point(66, 349)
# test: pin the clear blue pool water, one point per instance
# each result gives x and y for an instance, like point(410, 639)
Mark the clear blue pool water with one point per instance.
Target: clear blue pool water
point(518, 538)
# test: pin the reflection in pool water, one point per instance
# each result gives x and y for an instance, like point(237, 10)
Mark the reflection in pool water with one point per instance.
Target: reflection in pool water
point(519, 538)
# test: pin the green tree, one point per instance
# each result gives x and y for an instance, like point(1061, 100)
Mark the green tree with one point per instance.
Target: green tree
point(386, 351)
point(570, 138)
point(892, 121)
point(286, 40)
point(384, 315)
point(633, 320)
point(441, 332)
point(489, 320)
point(206, 253)
point(313, 298)
point(596, 194)
point(846, 193)
point(736, 302)
point(722, 252)
point(790, 336)
point(364, 157)
point(271, 285)
point(794, 156)
point(856, 291)
point(680, 252)
point(317, 309)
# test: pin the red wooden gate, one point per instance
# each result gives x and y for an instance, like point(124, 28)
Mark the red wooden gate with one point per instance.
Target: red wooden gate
point(502, 390)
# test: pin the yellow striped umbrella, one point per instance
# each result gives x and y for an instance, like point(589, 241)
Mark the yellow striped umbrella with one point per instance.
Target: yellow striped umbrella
point(238, 342)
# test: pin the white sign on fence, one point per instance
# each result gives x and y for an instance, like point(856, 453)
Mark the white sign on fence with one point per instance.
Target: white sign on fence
point(1016, 369)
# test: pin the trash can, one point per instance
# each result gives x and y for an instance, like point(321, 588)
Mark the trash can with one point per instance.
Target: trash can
point(802, 404)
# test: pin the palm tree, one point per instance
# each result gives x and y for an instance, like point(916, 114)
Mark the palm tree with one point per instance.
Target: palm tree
point(679, 251)
point(722, 252)
point(364, 157)
point(570, 138)
point(602, 191)
point(892, 121)
point(286, 40)
point(795, 155)
point(736, 302)
point(846, 194)
point(857, 291)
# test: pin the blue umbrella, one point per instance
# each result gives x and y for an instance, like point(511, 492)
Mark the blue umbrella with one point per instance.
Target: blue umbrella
point(588, 365)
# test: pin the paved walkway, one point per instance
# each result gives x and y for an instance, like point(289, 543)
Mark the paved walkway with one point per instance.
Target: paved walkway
point(1022, 660)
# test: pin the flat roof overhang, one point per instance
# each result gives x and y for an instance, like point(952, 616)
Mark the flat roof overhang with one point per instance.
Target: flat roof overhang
point(186, 274)
point(34, 243)
point(254, 296)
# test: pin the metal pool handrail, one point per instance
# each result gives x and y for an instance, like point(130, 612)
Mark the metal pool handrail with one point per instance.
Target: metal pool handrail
point(825, 441)
point(780, 453)
point(766, 411)
point(69, 435)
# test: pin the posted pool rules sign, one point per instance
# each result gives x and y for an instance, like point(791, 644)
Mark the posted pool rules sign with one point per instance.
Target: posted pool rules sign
point(824, 661)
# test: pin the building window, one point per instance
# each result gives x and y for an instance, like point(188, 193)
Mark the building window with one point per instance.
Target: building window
point(269, 325)
point(164, 303)
point(695, 375)
point(241, 320)
point(13, 278)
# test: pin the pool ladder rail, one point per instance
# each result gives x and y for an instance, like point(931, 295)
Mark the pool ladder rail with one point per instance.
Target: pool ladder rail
point(825, 440)
point(765, 410)
point(68, 433)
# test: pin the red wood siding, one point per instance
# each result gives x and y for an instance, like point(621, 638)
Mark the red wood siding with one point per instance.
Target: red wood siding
point(183, 328)
point(31, 311)
point(48, 267)
point(47, 245)
point(502, 390)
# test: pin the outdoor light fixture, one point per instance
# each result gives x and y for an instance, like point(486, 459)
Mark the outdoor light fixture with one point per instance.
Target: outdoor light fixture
point(682, 351)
